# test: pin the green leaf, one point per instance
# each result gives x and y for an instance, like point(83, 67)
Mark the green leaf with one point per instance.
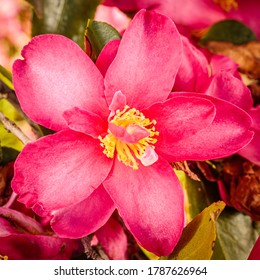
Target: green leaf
point(97, 35)
point(198, 195)
point(6, 77)
point(149, 255)
point(198, 238)
point(65, 17)
point(236, 236)
point(229, 30)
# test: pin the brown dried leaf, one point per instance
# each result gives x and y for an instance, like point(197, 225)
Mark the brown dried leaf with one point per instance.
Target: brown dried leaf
point(198, 237)
point(242, 180)
point(247, 56)
point(183, 166)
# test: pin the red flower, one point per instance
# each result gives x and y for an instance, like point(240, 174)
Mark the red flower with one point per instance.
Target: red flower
point(116, 134)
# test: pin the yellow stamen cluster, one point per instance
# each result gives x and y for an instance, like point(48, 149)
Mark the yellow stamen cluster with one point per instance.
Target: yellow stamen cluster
point(227, 5)
point(128, 152)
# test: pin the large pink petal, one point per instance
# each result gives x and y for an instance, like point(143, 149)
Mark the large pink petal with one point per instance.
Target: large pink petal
point(179, 118)
point(86, 122)
point(85, 217)
point(255, 252)
point(55, 76)
point(228, 133)
point(146, 63)
point(193, 74)
point(59, 170)
point(219, 63)
point(225, 86)
point(113, 239)
point(107, 55)
point(150, 201)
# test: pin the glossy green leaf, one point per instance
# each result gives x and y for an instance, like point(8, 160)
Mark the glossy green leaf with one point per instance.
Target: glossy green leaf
point(236, 236)
point(230, 30)
point(97, 35)
point(6, 77)
point(198, 238)
point(65, 17)
point(198, 194)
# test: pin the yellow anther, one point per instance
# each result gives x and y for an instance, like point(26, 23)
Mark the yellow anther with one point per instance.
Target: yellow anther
point(227, 5)
point(3, 258)
point(128, 153)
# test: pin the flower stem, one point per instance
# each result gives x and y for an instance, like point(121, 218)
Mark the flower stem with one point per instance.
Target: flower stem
point(88, 250)
point(9, 203)
point(13, 128)
point(10, 96)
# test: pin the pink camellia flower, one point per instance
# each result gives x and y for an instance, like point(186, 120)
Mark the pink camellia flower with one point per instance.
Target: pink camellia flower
point(198, 14)
point(117, 133)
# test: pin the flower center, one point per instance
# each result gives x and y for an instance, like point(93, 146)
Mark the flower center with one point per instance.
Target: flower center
point(132, 136)
point(227, 5)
